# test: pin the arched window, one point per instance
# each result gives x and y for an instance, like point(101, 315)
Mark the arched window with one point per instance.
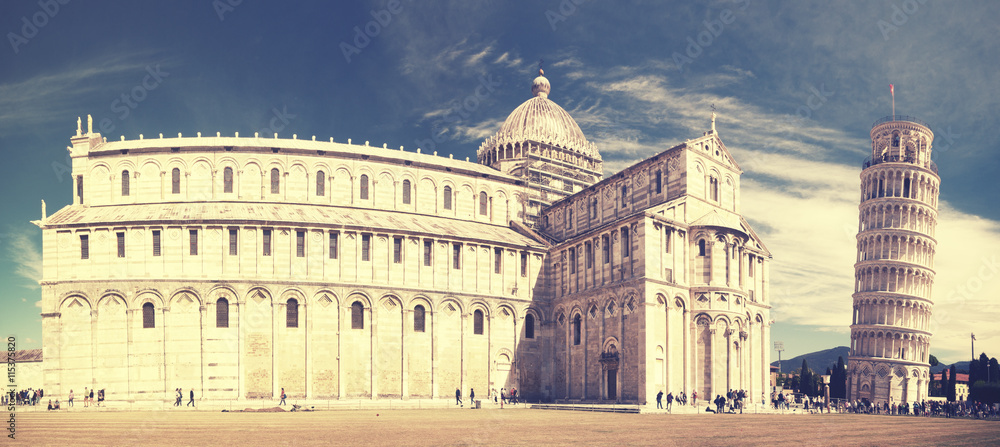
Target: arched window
point(483, 200)
point(577, 324)
point(477, 322)
point(529, 326)
point(227, 180)
point(124, 183)
point(418, 318)
point(357, 315)
point(659, 181)
point(406, 192)
point(714, 185)
point(624, 195)
point(148, 316)
point(701, 249)
point(364, 187)
point(895, 139)
point(175, 181)
point(275, 181)
point(320, 183)
point(222, 313)
point(447, 197)
point(292, 313)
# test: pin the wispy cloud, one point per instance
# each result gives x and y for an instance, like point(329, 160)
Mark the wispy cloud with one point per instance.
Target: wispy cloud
point(26, 257)
point(47, 97)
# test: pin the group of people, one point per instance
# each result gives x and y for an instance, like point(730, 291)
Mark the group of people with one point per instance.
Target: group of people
point(28, 397)
point(180, 397)
point(32, 397)
point(503, 397)
point(730, 403)
point(680, 398)
point(966, 409)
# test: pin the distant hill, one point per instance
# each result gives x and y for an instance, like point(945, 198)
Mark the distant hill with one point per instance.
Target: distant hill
point(959, 367)
point(818, 361)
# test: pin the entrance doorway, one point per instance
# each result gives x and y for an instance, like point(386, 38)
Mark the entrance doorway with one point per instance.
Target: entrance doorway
point(612, 384)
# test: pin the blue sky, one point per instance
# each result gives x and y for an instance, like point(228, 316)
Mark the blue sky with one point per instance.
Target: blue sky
point(796, 84)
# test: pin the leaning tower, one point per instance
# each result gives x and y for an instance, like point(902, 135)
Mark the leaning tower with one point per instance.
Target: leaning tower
point(890, 329)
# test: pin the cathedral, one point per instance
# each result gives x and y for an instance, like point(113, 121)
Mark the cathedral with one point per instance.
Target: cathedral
point(239, 266)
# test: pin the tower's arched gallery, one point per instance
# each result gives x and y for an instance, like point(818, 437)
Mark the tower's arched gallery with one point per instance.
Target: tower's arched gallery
point(240, 265)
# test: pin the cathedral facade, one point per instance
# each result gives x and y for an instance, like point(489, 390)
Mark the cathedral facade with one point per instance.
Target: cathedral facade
point(238, 266)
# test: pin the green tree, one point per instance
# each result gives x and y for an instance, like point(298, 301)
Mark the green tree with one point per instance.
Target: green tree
point(984, 368)
point(951, 383)
point(806, 380)
point(994, 370)
point(933, 360)
point(838, 380)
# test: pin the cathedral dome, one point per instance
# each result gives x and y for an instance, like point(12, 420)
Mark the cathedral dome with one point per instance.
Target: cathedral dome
point(542, 120)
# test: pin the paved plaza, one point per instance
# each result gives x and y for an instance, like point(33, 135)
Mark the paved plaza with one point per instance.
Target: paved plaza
point(491, 427)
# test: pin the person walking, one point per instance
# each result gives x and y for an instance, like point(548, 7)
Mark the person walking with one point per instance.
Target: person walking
point(282, 397)
point(670, 401)
point(191, 402)
point(91, 395)
point(472, 398)
point(694, 398)
point(659, 400)
point(458, 397)
point(86, 400)
point(503, 395)
point(70, 398)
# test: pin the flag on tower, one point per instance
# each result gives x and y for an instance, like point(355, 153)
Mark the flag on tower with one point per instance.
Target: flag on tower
point(973, 337)
point(892, 91)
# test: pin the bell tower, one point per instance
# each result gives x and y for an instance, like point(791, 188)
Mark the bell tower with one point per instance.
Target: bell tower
point(894, 270)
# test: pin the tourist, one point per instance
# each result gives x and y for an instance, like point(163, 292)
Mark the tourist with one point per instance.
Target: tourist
point(50, 405)
point(503, 396)
point(100, 397)
point(180, 396)
point(191, 402)
point(91, 395)
point(472, 398)
point(86, 399)
point(71, 398)
point(670, 401)
point(694, 398)
point(282, 397)
point(458, 397)
point(56, 405)
point(659, 400)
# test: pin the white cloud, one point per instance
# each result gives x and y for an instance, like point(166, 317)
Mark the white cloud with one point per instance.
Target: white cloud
point(38, 304)
point(48, 97)
point(27, 258)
